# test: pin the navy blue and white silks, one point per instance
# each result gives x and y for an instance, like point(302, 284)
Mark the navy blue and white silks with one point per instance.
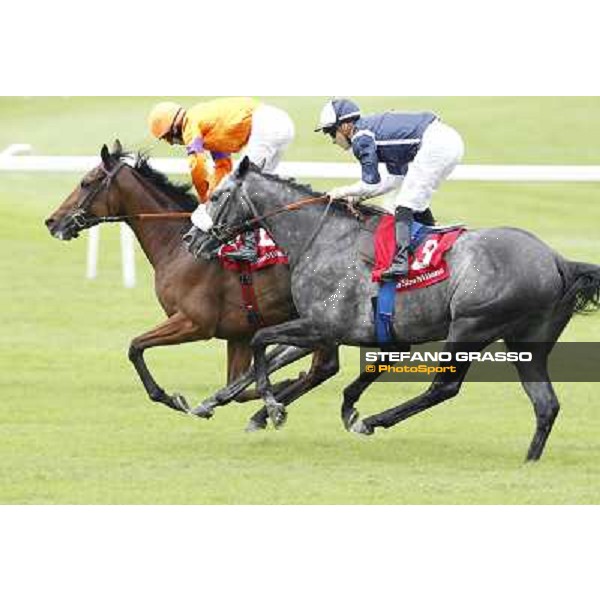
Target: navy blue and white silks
point(419, 151)
point(390, 138)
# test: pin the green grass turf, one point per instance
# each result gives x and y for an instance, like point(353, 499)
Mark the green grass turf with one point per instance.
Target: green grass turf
point(75, 426)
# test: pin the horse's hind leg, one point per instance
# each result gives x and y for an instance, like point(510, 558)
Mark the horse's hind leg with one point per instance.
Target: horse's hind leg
point(537, 385)
point(325, 366)
point(539, 340)
point(179, 329)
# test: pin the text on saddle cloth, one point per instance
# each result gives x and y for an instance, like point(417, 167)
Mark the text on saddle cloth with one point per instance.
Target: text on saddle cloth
point(428, 265)
point(269, 254)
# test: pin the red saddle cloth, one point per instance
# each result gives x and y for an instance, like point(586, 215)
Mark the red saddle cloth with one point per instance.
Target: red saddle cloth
point(269, 254)
point(428, 264)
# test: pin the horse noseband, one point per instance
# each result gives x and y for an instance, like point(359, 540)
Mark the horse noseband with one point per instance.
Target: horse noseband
point(79, 221)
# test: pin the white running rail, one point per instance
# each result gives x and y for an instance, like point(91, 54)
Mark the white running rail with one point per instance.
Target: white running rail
point(10, 161)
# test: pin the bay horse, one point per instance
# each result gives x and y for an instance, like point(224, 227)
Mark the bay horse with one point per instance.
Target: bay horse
point(505, 284)
point(202, 300)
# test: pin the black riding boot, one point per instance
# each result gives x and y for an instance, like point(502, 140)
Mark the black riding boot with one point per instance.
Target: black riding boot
point(201, 245)
point(425, 218)
point(248, 252)
point(400, 266)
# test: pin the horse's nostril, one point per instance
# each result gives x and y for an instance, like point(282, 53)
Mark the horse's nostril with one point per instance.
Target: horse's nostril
point(49, 223)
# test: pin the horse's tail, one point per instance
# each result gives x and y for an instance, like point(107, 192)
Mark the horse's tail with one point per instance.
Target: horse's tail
point(582, 287)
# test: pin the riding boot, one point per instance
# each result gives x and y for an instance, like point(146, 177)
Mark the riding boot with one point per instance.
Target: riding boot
point(248, 251)
point(400, 266)
point(201, 245)
point(425, 218)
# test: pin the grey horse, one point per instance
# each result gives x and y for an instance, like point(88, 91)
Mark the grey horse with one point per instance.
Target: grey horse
point(505, 284)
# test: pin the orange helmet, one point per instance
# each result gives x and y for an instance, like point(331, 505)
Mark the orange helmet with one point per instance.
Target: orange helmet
point(162, 117)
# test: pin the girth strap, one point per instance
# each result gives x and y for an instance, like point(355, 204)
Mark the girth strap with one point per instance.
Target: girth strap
point(250, 303)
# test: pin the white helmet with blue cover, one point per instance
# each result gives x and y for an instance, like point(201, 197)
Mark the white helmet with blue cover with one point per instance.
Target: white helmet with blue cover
point(336, 112)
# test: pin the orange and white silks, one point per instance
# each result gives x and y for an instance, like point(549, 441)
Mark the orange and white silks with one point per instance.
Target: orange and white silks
point(221, 127)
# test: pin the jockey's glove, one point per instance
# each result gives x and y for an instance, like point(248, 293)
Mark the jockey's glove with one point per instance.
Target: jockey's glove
point(338, 193)
point(364, 191)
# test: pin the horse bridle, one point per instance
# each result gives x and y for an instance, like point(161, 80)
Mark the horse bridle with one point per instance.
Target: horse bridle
point(225, 233)
point(80, 219)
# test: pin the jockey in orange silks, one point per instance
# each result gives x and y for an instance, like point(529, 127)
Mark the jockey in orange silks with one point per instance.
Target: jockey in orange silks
point(221, 128)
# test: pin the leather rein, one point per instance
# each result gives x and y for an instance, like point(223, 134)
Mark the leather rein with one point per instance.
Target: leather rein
point(183, 216)
point(83, 220)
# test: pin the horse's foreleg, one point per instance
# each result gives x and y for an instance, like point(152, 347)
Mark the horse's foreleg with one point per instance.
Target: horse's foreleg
point(356, 389)
point(445, 387)
point(280, 357)
point(239, 358)
point(299, 333)
point(179, 329)
point(326, 365)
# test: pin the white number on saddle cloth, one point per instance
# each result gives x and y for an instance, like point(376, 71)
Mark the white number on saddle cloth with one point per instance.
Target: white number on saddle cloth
point(265, 240)
point(426, 252)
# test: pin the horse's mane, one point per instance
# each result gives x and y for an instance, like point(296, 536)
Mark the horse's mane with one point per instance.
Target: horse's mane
point(180, 193)
point(303, 188)
point(368, 210)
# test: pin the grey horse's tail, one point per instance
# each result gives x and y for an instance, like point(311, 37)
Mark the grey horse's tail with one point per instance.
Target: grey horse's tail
point(583, 287)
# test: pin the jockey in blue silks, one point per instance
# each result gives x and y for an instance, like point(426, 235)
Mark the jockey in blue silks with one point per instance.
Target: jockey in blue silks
point(419, 151)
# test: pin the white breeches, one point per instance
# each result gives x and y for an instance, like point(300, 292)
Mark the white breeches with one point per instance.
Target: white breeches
point(272, 132)
point(442, 149)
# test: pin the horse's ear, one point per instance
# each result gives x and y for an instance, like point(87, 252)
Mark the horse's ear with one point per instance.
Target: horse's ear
point(105, 155)
point(243, 168)
point(117, 148)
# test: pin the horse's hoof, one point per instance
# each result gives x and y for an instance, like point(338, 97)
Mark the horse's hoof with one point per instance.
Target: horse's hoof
point(351, 419)
point(280, 421)
point(179, 403)
point(203, 412)
point(361, 428)
point(278, 415)
point(255, 426)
